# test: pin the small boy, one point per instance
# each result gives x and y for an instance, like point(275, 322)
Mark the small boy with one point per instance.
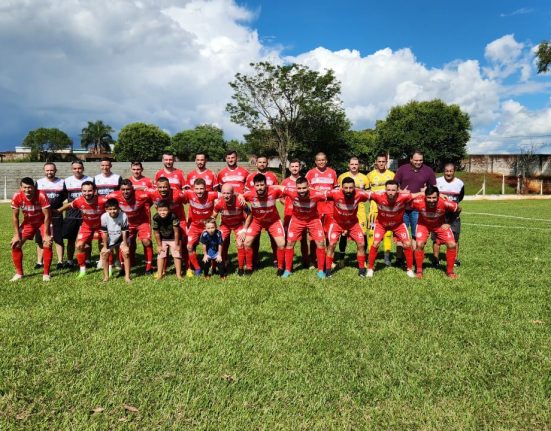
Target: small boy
point(114, 236)
point(211, 241)
point(166, 228)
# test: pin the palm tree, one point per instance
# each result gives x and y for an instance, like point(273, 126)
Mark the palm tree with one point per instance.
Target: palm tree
point(96, 137)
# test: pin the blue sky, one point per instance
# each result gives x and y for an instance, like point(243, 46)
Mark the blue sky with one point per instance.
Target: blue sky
point(169, 62)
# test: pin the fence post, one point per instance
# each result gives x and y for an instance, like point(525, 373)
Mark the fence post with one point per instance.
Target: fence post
point(541, 187)
point(5, 188)
point(503, 185)
point(484, 186)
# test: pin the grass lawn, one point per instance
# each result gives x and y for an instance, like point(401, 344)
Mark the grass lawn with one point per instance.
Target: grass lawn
point(265, 353)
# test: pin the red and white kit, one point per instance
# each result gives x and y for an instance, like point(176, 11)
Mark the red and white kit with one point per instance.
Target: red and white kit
point(137, 212)
point(176, 177)
point(236, 177)
point(200, 209)
point(265, 214)
point(271, 179)
point(176, 200)
point(391, 215)
point(33, 216)
point(141, 183)
point(232, 216)
point(91, 217)
point(431, 220)
point(345, 216)
point(323, 181)
point(207, 175)
point(305, 216)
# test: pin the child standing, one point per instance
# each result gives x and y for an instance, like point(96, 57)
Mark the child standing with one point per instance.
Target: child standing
point(166, 227)
point(211, 241)
point(114, 236)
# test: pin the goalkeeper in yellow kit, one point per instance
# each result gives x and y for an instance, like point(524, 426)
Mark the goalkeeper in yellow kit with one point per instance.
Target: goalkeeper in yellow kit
point(377, 179)
point(361, 182)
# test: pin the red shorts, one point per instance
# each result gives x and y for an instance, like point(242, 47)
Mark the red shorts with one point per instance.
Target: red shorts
point(444, 236)
point(28, 231)
point(226, 230)
point(194, 232)
point(355, 232)
point(183, 228)
point(298, 227)
point(86, 234)
point(326, 220)
point(141, 231)
point(275, 229)
point(399, 231)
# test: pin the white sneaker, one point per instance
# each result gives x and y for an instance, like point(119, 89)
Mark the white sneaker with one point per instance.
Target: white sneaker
point(410, 273)
point(16, 277)
point(99, 264)
point(45, 277)
point(369, 273)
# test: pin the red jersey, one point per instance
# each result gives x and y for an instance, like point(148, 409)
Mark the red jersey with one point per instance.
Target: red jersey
point(200, 209)
point(264, 209)
point(306, 208)
point(345, 211)
point(32, 208)
point(390, 214)
point(236, 177)
point(207, 175)
point(271, 179)
point(233, 214)
point(323, 181)
point(175, 178)
point(176, 199)
point(436, 217)
point(91, 212)
point(137, 210)
point(142, 183)
point(291, 184)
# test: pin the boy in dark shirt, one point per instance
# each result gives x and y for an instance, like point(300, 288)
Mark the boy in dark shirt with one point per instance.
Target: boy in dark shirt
point(211, 241)
point(166, 228)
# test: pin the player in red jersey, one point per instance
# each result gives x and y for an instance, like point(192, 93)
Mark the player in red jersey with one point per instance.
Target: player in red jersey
point(391, 205)
point(91, 207)
point(322, 178)
point(235, 216)
point(139, 181)
point(345, 221)
point(233, 174)
point(36, 218)
point(432, 218)
point(135, 204)
point(201, 206)
point(175, 176)
point(201, 172)
point(305, 219)
point(263, 202)
point(290, 182)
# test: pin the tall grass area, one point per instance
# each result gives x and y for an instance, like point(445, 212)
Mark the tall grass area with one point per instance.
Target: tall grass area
point(266, 353)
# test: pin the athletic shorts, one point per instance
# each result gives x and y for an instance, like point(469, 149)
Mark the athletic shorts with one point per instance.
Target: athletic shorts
point(86, 234)
point(165, 245)
point(226, 231)
point(275, 229)
point(194, 232)
point(297, 228)
point(443, 236)
point(56, 229)
point(400, 232)
point(355, 232)
point(141, 231)
point(326, 220)
point(455, 226)
point(28, 231)
point(71, 227)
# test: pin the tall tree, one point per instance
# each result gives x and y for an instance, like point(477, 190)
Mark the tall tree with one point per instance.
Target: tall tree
point(283, 103)
point(96, 137)
point(205, 137)
point(45, 142)
point(140, 141)
point(543, 54)
point(439, 130)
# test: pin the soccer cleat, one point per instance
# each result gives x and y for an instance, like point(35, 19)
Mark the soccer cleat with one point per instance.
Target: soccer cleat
point(189, 273)
point(419, 275)
point(81, 274)
point(69, 264)
point(16, 277)
point(38, 265)
point(457, 263)
point(279, 272)
point(240, 272)
point(453, 275)
point(286, 274)
point(321, 274)
point(329, 273)
point(45, 277)
point(387, 259)
point(410, 273)
point(369, 273)
point(60, 265)
point(197, 272)
point(361, 272)
point(248, 272)
point(148, 272)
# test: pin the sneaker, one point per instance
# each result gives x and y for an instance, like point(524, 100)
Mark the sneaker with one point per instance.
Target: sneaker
point(69, 264)
point(197, 272)
point(410, 273)
point(321, 274)
point(369, 273)
point(279, 272)
point(457, 263)
point(45, 277)
point(435, 262)
point(148, 272)
point(453, 275)
point(240, 272)
point(286, 274)
point(419, 275)
point(117, 264)
point(189, 273)
point(387, 259)
point(60, 265)
point(248, 272)
point(312, 266)
point(81, 274)
point(329, 272)
point(99, 264)
point(361, 272)
point(38, 265)
point(16, 277)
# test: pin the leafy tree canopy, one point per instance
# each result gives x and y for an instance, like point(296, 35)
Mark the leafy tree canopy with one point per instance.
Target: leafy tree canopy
point(543, 54)
point(140, 141)
point(45, 142)
point(207, 138)
point(96, 137)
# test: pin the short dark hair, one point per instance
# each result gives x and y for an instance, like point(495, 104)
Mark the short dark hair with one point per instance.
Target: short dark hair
point(88, 183)
point(106, 159)
point(302, 180)
point(210, 220)
point(381, 154)
point(450, 164)
point(259, 178)
point(347, 180)
point(50, 163)
point(432, 189)
point(391, 183)
point(163, 203)
point(295, 161)
point(416, 152)
point(111, 202)
point(162, 180)
point(230, 152)
point(202, 153)
point(28, 181)
point(262, 156)
point(77, 162)
point(136, 163)
point(127, 182)
point(200, 181)
point(168, 153)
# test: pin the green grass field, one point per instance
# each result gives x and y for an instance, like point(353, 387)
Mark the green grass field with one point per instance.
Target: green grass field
point(265, 353)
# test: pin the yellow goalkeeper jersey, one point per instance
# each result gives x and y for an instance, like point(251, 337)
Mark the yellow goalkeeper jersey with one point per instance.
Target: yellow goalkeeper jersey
point(377, 180)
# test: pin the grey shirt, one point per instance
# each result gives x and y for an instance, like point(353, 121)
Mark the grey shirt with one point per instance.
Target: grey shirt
point(114, 227)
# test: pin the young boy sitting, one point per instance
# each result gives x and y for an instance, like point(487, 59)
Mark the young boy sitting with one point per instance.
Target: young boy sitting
point(211, 241)
point(166, 227)
point(114, 236)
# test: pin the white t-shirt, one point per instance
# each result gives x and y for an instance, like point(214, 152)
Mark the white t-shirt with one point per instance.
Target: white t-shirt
point(114, 227)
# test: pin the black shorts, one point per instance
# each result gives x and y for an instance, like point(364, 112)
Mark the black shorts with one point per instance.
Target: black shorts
point(455, 226)
point(57, 232)
point(70, 228)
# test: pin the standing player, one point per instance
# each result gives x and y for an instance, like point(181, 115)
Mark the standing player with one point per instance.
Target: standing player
point(235, 216)
point(106, 181)
point(265, 216)
point(433, 212)
point(377, 179)
point(233, 174)
point(323, 179)
point(54, 188)
point(175, 176)
point(36, 217)
point(211, 242)
point(391, 206)
point(139, 181)
point(201, 171)
point(452, 188)
point(73, 219)
point(114, 236)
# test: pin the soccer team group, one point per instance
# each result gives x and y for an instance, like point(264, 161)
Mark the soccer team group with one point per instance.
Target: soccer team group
point(321, 211)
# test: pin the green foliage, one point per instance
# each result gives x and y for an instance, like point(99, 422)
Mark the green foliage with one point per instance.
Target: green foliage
point(361, 144)
point(140, 141)
point(286, 105)
point(44, 142)
point(439, 130)
point(543, 54)
point(205, 137)
point(96, 137)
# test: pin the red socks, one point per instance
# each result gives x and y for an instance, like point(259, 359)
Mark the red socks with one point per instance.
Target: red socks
point(328, 261)
point(289, 254)
point(47, 258)
point(240, 257)
point(280, 258)
point(451, 255)
point(193, 260)
point(17, 256)
point(372, 257)
point(249, 258)
point(148, 252)
point(408, 252)
point(419, 257)
point(361, 261)
point(81, 259)
point(320, 255)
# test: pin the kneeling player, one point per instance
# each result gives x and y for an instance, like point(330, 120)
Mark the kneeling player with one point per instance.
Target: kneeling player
point(432, 215)
point(114, 237)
